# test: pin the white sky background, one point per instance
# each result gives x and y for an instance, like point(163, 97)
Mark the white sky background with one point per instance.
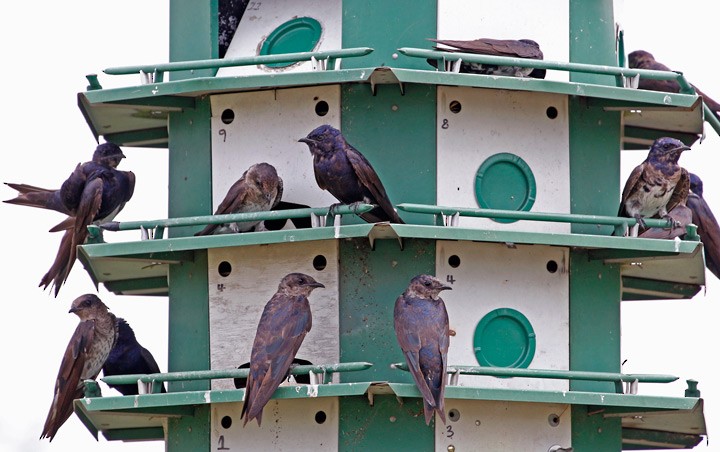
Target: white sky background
point(49, 47)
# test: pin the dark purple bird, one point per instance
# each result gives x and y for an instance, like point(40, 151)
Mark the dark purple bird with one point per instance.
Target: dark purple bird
point(84, 356)
point(641, 59)
point(423, 332)
point(523, 48)
point(259, 189)
point(299, 379)
point(657, 185)
point(708, 228)
point(347, 174)
point(95, 192)
point(283, 325)
point(128, 357)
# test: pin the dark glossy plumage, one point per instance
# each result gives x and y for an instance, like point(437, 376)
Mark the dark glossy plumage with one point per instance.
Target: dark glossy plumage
point(423, 332)
point(129, 357)
point(84, 356)
point(258, 189)
point(284, 322)
point(347, 174)
point(95, 192)
point(708, 228)
point(641, 59)
point(523, 48)
point(658, 184)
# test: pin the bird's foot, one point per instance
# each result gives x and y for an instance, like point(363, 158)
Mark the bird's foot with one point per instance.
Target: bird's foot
point(672, 222)
point(332, 210)
point(354, 207)
point(640, 221)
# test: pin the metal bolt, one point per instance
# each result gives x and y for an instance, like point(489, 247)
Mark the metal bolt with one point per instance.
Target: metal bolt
point(395, 56)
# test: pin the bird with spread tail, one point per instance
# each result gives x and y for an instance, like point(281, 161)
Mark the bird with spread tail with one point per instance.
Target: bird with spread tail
point(84, 357)
point(94, 193)
point(522, 48)
point(657, 185)
point(707, 225)
point(640, 59)
point(284, 322)
point(423, 332)
point(347, 174)
point(128, 357)
point(259, 189)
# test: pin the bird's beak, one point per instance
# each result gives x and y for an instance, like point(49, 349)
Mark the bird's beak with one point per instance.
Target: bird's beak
point(316, 284)
point(682, 148)
point(444, 287)
point(306, 140)
point(122, 156)
point(73, 310)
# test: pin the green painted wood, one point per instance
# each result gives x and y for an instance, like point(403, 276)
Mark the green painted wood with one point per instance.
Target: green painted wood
point(193, 34)
point(592, 432)
point(189, 433)
point(592, 38)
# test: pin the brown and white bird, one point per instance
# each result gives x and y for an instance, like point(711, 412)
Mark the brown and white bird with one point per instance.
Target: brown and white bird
point(657, 185)
point(259, 189)
point(84, 357)
point(284, 322)
point(522, 48)
point(94, 192)
point(423, 332)
point(640, 59)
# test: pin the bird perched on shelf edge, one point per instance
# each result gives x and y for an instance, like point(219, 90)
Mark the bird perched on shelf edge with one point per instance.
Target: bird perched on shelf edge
point(284, 322)
point(707, 225)
point(522, 48)
point(423, 332)
point(84, 357)
point(95, 192)
point(347, 174)
point(259, 189)
point(128, 357)
point(640, 59)
point(657, 185)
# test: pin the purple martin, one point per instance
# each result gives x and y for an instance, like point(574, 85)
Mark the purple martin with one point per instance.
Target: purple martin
point(423, 332)
point(641, 59)
point(128, 357)
point(284, 322)
point(299, 379)
point(95, 192)
point(85, 355)
point(523, 48)
point(658, 184)
point(347, 174)
point(707, 225)
point(259, 189)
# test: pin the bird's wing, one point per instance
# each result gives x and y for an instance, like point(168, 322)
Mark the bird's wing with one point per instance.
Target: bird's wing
point(69, 383)
point(410, 343)
point(497, 47)
point(630, 184)
point(279, 194)
point(130, 189)
point(234, 199)
point(708, 230)
point(67, 223)
point(72, 188)
point(369, 178)
point(682, 189)
point(60, 268)
point(90, 203)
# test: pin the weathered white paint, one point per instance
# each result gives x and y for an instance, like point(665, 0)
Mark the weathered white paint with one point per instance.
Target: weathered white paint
point(492, 276)
point(262, 17)
point(496, 121)
point(485, 425)
point(237, 300)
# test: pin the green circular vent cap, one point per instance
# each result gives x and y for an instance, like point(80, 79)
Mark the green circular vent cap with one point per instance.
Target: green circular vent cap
point(504, 338)
point(297, 35)
point(504, 181)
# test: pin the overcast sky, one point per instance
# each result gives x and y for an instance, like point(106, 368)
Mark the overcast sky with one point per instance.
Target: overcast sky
point(49, 47)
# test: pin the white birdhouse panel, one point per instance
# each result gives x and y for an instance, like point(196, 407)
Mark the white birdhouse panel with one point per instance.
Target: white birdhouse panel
point(271, 27)
point(265, 126)
point(510, 19)
point(508, 307)
point(243, 279)
point(506, 150)
point(483, 425)
point(287, 425)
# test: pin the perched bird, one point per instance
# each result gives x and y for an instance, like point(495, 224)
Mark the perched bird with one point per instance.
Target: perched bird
point(641, 59)
point(523, 48)
point(258, 189)
point(94, 193)
point(423, 332)
point(283, 325)
point(84, 356)
point(128, 357)
point(707, 225)
point(347, 174)
point(657, 185)
point(299, 379)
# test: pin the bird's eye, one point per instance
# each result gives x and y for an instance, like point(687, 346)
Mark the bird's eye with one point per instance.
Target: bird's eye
point(427, 283)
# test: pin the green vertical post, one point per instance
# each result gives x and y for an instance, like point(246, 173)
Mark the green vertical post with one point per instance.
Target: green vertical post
point(592, 38)
point(193, 34)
